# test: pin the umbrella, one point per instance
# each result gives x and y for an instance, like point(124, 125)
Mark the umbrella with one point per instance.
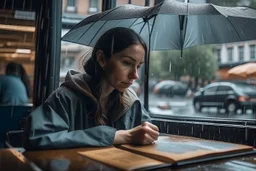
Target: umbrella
point(247, 70)
point(171, 24)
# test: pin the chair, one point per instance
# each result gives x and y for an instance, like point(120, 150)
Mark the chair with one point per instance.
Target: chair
point(14, 139)
point(11, 120)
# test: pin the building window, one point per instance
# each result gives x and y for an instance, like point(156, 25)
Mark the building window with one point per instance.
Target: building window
point(252, 52)
point(241, 53)
point(230, 54)
point(94, 6)
point(218, 55)
point(71, 6)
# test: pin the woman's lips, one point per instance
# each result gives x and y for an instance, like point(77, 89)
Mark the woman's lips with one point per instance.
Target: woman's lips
point(127, 84)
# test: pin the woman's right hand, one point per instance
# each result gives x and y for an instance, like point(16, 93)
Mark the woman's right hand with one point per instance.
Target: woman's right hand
point(146, 133)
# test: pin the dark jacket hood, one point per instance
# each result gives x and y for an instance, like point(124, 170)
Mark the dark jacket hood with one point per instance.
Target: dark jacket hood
point(78, 81)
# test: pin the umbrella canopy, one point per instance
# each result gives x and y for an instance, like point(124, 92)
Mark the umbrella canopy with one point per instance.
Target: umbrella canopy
point(171, 24)
point(247, 70)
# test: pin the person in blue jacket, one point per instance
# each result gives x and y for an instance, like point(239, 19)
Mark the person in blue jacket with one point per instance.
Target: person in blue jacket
point(13, 90)
point(98, 107)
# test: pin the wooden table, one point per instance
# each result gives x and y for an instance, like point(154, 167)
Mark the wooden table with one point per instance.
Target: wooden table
point(70, 160)
point(11, 159)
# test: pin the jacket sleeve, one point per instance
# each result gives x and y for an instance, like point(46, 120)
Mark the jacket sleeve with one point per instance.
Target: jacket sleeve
point(133, 117)
point(145, 116)
point(50, 127)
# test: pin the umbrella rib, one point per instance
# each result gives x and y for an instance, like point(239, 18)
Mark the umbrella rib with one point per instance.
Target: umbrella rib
point(134, 22)
point(143, 27)
point(146, 70)
point(150, 33)
point(97, 32)
point(235, 29)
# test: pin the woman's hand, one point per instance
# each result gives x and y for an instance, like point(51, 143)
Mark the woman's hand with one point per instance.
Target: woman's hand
point(143, 134)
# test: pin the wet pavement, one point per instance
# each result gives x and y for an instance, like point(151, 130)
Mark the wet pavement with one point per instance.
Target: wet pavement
point(183, 106)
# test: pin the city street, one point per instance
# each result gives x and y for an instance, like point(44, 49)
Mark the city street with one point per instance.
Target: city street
point(184, 106)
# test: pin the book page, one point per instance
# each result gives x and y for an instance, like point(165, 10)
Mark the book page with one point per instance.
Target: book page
point(121, 159)
point(174, 148)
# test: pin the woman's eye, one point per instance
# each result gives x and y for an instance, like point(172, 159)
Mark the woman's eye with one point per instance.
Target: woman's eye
point(127, 63)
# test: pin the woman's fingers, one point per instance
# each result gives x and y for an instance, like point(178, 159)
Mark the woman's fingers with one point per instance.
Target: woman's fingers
point(152, 126)
point(145, 133)
point(154, 133)
point(148, 139)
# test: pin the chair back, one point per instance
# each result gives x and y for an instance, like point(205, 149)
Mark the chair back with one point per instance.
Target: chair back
point(11, 119)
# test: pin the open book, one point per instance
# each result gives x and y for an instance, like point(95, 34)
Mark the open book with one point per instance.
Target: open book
point(168, 150)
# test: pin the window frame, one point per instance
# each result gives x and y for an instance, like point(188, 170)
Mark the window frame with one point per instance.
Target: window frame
point(241, 53)
point(252, 52)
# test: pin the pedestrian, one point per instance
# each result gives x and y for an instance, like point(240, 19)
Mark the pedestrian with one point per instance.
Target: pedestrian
point(98, 107)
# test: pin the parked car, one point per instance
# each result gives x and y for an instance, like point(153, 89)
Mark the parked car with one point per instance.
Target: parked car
point(227, 95)
point(170, 88)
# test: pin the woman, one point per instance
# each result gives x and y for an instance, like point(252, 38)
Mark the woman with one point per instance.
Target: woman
point(13, 89)
point(97, 108)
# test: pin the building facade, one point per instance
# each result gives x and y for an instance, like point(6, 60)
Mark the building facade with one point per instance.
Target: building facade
point(233, 54)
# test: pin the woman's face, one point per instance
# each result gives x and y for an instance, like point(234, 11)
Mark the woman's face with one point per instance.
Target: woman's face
point(121, 70)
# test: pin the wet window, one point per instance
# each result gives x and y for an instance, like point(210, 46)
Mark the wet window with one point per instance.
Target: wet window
point(74, 55)
point(176, 76)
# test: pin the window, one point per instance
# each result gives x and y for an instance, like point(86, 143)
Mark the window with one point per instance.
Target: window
point(134, 2)
point(224, 88)
point(71, 6)
point(218, 55)
point(198, 67)
point(230, 55)
point(94, 6)
point(241, 53)
point(71, 3)
point(252, 52)
point(73, 55)
point(210, 90)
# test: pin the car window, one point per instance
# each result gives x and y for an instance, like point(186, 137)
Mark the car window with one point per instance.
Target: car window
point(224, 88)
point(211, 89)
point(247, 88)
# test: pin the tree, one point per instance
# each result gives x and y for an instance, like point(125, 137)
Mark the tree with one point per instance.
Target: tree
point(253, 3)
point(200, 62)
point(197, 62)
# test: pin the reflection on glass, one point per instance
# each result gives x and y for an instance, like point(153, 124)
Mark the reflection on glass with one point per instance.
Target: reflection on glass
point(17, 41)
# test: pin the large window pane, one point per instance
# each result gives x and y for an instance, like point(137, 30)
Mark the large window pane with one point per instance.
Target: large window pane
point(170, 74)
point(174, 81)
point(74, 55)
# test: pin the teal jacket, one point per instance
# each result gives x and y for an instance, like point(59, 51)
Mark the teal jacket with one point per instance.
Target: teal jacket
point(12, 91)
point(65, 120)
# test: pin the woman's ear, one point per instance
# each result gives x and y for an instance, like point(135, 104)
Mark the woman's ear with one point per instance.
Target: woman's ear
point(100, 58)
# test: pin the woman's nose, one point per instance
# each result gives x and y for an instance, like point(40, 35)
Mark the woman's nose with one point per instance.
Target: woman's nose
point(134, 74)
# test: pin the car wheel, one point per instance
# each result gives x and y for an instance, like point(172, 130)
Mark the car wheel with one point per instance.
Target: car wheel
point(197, 106)
point(231, 107)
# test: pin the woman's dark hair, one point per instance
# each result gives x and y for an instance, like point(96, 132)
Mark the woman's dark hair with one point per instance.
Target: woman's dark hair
point(17, 69)
point(113, 41)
